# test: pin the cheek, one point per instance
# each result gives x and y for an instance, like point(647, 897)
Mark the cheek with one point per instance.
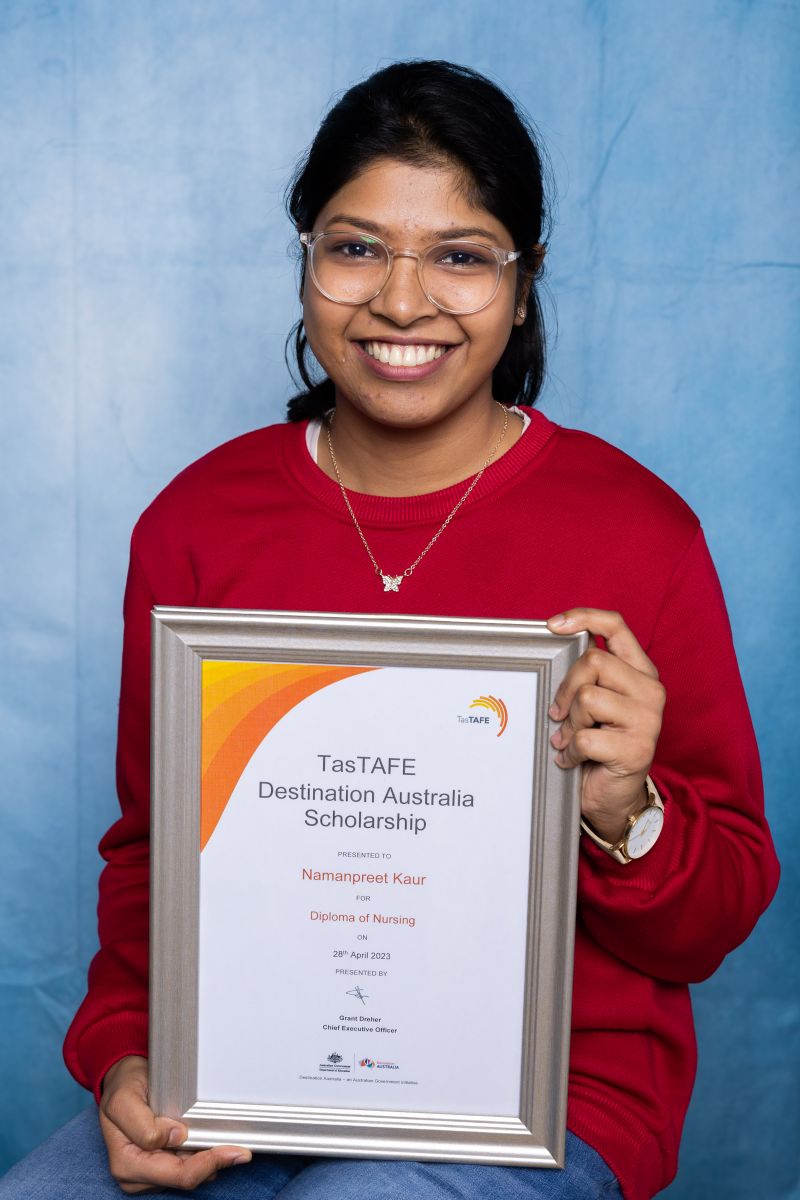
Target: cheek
point(492, 338)
point(324, 325)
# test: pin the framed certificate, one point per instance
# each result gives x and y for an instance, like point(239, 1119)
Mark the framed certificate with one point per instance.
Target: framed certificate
point(363, 885)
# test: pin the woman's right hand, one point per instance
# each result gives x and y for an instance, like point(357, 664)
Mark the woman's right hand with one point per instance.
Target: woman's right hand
point(142, 1152)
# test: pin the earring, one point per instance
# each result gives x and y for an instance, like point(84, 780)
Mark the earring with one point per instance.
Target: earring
point(522, 312)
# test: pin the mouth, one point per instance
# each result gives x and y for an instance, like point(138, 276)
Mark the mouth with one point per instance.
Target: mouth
point(415, 354)
point(404, 362)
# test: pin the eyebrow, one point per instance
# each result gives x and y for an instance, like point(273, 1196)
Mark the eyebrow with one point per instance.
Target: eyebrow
point(436, 235)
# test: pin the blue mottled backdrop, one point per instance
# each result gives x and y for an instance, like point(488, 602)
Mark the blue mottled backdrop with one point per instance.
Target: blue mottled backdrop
point(146, 293)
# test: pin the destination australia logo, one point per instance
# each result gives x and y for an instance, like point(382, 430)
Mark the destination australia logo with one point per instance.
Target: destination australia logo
point(494, 713)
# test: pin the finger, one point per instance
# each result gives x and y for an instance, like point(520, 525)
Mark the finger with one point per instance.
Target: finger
point(618, 638)
point(593, 705)
point(127, 1112)
point(590, 745)
point(162, 1168)
point(621, 753)
point(599, 667)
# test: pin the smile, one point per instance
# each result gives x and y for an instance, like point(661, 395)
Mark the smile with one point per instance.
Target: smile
point(404, 356)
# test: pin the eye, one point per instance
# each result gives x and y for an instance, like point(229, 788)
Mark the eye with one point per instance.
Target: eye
point(352, 248)
point(463, 257)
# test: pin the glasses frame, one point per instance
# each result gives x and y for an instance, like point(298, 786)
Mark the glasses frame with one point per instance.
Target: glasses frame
point(502, 257)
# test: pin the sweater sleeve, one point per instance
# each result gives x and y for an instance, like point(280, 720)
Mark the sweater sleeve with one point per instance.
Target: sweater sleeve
point(675, 913)
point(112, 1021)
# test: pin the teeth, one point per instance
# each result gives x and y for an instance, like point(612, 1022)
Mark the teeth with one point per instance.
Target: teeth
point(404, 356)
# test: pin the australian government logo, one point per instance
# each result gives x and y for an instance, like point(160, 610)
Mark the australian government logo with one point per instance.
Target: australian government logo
point(494, 713)
point(335, 1064)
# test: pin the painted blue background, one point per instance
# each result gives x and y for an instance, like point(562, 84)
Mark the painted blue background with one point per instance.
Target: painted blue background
point(146, 293)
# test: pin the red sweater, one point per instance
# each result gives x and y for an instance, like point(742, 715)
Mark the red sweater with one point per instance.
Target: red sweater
point(562, 519)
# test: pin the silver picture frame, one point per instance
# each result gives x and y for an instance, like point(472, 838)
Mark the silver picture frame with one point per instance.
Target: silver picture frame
point(182, 638)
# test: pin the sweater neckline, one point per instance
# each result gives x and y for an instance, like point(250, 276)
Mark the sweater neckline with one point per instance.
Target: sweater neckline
point(395, 510)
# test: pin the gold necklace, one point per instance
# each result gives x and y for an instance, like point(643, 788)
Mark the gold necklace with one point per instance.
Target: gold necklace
point(391, 583)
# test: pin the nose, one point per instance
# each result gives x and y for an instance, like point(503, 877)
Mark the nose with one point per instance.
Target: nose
point(401, 299)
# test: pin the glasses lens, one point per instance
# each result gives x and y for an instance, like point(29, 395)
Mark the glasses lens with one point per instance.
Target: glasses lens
point(349, 267)
point(460, 276)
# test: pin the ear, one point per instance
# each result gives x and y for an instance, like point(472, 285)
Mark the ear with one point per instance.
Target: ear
point(524, 281)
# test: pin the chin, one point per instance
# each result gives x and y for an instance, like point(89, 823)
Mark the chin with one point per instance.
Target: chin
point(409, 414)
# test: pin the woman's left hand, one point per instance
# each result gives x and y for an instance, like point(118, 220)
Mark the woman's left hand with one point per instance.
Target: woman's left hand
point(610, 705)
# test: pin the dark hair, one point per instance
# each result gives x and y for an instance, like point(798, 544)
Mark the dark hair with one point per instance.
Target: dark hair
point(425, 112)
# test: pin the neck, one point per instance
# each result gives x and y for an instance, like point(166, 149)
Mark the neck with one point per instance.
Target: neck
point(384, 460)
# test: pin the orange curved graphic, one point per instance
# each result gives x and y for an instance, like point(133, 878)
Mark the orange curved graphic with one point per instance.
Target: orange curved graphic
point(242, 702)
point(496, 706)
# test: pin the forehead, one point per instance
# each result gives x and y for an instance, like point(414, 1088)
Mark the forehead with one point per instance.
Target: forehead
point(401, 201)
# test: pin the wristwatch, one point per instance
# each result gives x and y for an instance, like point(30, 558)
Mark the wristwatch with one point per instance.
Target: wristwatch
point(641, 832)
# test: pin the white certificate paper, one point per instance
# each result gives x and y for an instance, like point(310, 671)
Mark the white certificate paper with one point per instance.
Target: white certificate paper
point(366, 842)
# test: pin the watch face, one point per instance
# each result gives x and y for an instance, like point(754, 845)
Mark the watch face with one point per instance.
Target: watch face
point(645, 832)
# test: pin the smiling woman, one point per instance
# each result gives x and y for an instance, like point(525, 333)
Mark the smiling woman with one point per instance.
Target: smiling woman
point(418, 462)
point(443, 359)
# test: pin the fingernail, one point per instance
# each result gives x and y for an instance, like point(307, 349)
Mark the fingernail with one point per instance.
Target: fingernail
point(557, 620)
point(175, 1136)
point(560, 760)
point(555, 740)
point(554, 710)
point(239, 1159)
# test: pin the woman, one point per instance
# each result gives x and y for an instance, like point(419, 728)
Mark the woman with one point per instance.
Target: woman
point(418, 478)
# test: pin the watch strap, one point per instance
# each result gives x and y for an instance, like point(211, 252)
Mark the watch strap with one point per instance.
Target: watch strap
point(618, 850)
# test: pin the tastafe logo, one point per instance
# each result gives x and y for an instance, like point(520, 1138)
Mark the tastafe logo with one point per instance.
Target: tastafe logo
point(497, 707)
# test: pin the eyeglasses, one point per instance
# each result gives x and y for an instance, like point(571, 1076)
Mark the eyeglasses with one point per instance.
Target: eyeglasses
point(350, 267)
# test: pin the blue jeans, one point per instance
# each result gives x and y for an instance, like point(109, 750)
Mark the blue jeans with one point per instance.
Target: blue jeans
point(72, 1165)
